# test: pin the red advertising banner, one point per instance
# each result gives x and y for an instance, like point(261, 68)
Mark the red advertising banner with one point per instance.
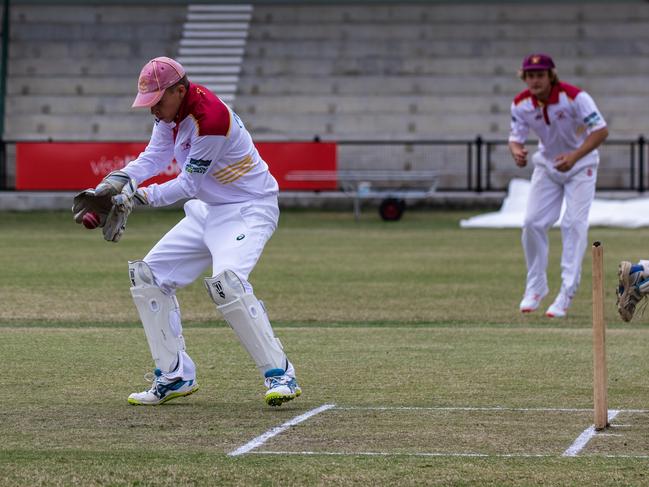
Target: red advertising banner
point(286, 158)
point(73, 166)
point(65, 166)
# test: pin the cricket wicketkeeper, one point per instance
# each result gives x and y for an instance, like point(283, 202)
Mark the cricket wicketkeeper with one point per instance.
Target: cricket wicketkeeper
point(231, 213)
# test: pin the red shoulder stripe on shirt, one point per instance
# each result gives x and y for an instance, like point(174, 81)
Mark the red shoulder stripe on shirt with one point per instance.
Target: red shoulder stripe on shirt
point(570, 90)
point(210, 114)
point(522, 96)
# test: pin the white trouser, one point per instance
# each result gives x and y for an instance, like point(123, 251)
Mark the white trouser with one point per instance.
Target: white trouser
point(547, 192)
point(230, 236)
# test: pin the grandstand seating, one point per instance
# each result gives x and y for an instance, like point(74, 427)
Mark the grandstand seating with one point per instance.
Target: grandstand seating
point(437, 71)
point(432, 71)
point(73, 70)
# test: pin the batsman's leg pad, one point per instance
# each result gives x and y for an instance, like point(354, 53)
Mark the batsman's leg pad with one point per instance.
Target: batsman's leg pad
point(247, 317)
point(160, 315)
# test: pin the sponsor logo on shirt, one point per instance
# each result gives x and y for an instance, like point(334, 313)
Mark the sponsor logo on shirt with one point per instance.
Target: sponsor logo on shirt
point(197, 166)
point(592, 119)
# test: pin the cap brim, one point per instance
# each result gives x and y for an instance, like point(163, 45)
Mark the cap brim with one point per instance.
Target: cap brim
point(537, 68)
point(147, 100)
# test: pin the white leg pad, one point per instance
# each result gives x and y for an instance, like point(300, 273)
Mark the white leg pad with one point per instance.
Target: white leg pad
point(247, 317)
point(160, 315)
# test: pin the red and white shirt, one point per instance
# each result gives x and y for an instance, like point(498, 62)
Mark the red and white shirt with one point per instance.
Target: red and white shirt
point(562, 124)
point(217, 158)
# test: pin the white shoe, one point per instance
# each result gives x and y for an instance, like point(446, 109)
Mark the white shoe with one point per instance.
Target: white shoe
point(163, 390)
point(559, 308)
point(531, 302)
point(281, 387)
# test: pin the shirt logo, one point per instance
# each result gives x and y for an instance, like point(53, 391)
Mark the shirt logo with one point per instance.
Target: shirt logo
point(592, 119)
point(197, 166)
point(560, 115)
point(241, 236)
point(187, 145)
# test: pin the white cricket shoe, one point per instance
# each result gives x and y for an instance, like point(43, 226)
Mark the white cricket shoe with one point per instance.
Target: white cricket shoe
point(281, 387)
point(630, 278)
point(559, 308)
point(162, 390)
point(531, 302)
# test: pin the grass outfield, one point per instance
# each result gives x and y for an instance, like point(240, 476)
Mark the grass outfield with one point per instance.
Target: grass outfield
point(407, 333)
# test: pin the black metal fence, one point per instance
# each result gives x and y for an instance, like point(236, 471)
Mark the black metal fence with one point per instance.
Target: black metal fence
point(475, 165)
point(486, 165)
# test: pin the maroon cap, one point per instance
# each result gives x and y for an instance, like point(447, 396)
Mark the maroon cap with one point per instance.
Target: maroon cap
point(156, 76)
point(537, 62)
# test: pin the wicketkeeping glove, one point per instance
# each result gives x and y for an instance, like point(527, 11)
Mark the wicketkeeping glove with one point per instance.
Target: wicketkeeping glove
point(99, 199)
point(113, 200)
point(123, 204)
point(87, 201)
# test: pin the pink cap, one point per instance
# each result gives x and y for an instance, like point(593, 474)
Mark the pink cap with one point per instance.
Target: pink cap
point(537, 62)
point(156, 76)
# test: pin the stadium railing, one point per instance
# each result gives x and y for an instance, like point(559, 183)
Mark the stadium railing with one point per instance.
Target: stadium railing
point(472, 165)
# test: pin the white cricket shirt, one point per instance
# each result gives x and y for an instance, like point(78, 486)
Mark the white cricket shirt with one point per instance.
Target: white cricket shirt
point(217, 159)
point(562, 124)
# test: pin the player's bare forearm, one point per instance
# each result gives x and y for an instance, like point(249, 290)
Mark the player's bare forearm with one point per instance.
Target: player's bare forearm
point(565, 162)
point(592, 142)
point(519, 153)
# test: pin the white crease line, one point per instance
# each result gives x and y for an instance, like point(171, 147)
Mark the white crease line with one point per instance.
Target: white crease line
point(623, 456)
point(390, 454)
point(440, 454)
point(494, 408)
point(260, 440)
point(586, 435)
point(487, 409)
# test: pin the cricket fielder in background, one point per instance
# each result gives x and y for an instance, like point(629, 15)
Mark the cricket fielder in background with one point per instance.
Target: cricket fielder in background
point(570, 128)
point(231, 213)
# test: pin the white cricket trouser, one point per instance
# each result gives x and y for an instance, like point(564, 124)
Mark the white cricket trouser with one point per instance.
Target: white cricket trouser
point(547, 191)
point(230, 236)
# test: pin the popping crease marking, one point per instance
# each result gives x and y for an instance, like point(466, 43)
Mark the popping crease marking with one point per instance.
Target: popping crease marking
point(586, 435)
point(431, 454)
point(261, 439)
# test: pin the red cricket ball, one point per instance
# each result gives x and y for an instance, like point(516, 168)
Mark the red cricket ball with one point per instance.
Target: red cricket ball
point(90, 220)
